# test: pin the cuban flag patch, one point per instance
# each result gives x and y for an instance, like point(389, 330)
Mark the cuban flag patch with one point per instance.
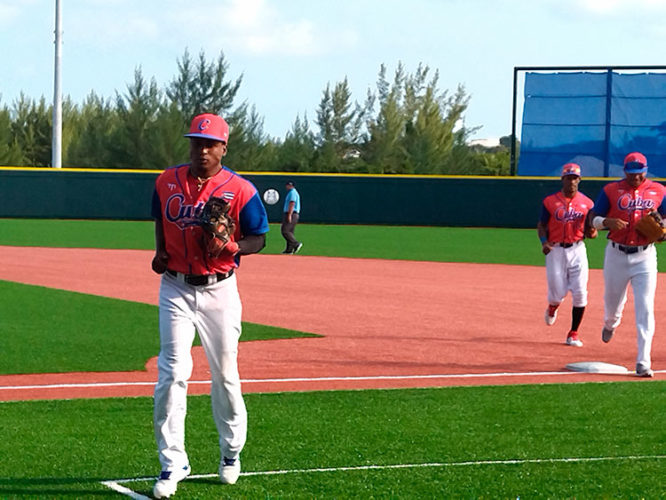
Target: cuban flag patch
point(228, 195)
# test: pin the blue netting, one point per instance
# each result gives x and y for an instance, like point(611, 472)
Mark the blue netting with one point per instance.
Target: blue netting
point(566, 118)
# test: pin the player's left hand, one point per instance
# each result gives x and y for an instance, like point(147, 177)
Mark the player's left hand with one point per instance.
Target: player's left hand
point(651, 227)
point(218, 228)
point(216, 246)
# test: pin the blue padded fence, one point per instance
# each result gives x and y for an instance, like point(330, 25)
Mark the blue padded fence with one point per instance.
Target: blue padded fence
point(593, 119)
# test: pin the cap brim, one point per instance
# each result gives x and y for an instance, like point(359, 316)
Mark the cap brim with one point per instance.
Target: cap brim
point(206, 136)
point(635, 170)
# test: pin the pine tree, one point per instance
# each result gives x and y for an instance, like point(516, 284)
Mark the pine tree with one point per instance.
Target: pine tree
point(10, 152)
point(134, 144)
point(201, 87)
point(297, 151)
point(31, 129)
point(91, 129)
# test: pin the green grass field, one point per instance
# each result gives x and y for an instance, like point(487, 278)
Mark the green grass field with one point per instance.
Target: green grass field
point(436, 244)
point(592, 440)
point(567, 441)
point(78, 332)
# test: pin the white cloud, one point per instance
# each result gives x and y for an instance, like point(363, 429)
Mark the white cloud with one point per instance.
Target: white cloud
point(109, 26)
point(296, 39)
point(8, 12)
point(249, 14)
point(259, 27)
point(251, 27)
point(613, 7)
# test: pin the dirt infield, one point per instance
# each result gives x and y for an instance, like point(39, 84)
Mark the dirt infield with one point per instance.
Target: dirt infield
point(386, 324)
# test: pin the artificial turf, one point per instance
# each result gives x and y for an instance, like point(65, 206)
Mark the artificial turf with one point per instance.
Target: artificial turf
point(595, 440)
point(44, 330)
point(437, 244)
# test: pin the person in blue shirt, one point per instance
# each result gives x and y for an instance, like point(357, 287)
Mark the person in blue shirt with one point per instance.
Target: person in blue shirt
point(292, 209)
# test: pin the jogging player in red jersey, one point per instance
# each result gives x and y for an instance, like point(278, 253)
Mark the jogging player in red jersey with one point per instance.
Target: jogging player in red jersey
point(198, 292)
point(562, 228)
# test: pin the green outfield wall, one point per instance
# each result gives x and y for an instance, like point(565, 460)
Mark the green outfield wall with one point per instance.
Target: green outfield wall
point(326, 199)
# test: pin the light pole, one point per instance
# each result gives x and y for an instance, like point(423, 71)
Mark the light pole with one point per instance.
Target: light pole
point(56, 145)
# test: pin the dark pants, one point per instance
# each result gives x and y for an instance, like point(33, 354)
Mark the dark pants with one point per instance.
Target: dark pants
point(288, 229)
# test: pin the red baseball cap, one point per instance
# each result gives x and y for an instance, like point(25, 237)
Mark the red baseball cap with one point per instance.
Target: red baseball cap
point(635, 163)
point(571, 169)
point(209, 126)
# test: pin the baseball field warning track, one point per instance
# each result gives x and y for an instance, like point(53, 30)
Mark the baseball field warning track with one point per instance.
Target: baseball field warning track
point(385, 324)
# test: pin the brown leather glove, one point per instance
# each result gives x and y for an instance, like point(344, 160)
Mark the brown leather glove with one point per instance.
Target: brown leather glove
point(652, 227)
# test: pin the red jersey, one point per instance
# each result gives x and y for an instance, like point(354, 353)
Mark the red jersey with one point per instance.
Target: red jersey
point(620, 200)
point(178, 199)
point(565, 217)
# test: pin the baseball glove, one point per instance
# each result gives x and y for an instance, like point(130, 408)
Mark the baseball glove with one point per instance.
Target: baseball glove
point(218, 227)
point(652, 227)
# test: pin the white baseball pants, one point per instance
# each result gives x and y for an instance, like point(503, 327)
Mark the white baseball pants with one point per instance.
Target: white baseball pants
point(567, 270)
point(215, 312)
point(639, 269)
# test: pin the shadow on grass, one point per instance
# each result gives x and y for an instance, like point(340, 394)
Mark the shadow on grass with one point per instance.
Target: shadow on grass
point(50, 487)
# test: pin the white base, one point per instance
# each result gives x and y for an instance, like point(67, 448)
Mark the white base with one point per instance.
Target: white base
point(597, 367)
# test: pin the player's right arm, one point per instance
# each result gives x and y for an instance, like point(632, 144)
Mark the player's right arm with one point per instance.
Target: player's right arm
point(542, 230)
point(161, 258)
point(597, 216)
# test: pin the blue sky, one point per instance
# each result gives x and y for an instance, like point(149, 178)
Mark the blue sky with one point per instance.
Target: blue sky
point(289, 50)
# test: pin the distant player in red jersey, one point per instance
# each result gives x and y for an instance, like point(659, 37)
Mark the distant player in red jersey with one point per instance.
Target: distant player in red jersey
point(629, 257)
point(199, 292)
point(562, 228)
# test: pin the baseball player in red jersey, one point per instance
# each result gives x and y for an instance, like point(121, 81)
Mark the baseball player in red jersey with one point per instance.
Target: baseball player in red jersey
point(198, 292)
point(629, 257)
point(562, 228)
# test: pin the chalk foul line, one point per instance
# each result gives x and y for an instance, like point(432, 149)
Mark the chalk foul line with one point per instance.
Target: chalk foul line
point(119, 488)
point(84, 385)
point(117, 484)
